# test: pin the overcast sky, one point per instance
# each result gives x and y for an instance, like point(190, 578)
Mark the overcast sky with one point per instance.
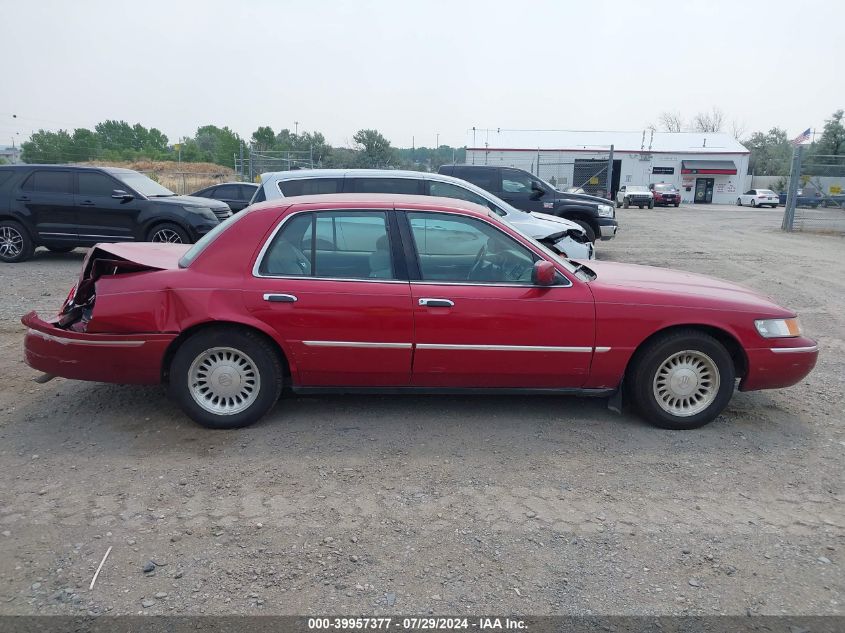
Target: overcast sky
point(417, 68)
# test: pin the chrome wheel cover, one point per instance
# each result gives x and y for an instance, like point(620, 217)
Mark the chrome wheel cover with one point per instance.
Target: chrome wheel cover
point(11, 242)
point(686, 383)
point(224, 381)
point(168, 236)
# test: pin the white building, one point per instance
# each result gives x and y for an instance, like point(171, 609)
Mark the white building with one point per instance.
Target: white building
point(706, 167)
point(10, 154)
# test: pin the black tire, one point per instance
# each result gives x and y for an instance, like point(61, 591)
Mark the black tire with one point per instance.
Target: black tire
point(739, 202)
point(639, 206)
point(651, 204)
point(262, 357)
point(591, 234)
point(60, 249)
point(168, 232)
point(753, 202)
point(677, 204)
point(626, 203)
point(618, 204)
point(648, 361)
point(15, 243)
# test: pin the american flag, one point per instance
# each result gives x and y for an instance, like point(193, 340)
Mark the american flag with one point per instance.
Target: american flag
point(801, 138)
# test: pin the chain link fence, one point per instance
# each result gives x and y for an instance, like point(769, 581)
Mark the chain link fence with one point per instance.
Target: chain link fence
point(255, 162)
point(815, 200)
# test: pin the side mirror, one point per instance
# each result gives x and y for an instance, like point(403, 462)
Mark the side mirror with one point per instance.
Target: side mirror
point(537, 190)
point(543, 274)
point(120, 194)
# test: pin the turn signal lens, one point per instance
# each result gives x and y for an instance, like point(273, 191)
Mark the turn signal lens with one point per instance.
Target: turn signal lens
point(778, 328)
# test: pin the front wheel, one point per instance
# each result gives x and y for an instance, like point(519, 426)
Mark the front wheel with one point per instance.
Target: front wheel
point(226, 378)
point(682, 380)
point(591, 234)
point(651, 204)
point(168, 233)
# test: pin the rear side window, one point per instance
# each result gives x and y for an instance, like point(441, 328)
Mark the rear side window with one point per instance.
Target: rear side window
point(336, 244)
point(94, 184)
point(258, 196)
point(247, 192)
point(309, 186)
point(487, 179)
point(227, 192)
point(49, 182)
point(387, 185)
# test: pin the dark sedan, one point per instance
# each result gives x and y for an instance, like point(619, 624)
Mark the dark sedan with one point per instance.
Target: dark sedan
point(236, 194)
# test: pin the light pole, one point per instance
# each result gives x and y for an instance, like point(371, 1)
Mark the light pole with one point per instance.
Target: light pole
point(296, 128)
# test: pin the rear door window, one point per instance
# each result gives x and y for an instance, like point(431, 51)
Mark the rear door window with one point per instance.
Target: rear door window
point(45, 181)
point(310, 186)
point(227, 192)
point(413, 186)
point(487, 179)
point(246, 192)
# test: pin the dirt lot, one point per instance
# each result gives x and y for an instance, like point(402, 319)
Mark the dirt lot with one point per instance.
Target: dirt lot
point(439, 504)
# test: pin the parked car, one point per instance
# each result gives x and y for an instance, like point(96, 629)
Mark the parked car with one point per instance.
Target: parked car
point(836, 200)
point(392, 293)
point(525, 191)
point(758, 198)
point(235, 194)
point(809, 199)
point(665, 194)
point(564, 236)
point(634, 194)
point(65, 206)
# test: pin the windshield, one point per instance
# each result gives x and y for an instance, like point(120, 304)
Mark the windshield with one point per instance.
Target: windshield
point(144, 185)
point(637, 188)
point(208, 238)
point(662, 187)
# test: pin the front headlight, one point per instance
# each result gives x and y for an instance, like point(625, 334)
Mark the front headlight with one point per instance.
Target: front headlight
point(605, 211)
point(778, 328)
point(205, 212)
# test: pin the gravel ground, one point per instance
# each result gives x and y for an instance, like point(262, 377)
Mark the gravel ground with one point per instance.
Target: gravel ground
point(438, 504)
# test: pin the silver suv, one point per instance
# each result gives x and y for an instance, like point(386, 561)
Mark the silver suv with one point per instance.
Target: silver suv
point(565, 237)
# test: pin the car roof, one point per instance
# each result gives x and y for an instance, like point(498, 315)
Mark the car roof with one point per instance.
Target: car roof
point(111, 170)
point(297, 174)
point(373, 201)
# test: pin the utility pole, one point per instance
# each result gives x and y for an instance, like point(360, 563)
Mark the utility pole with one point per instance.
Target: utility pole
point(296, 128)
point(241, 169)
point(610, 174)
point(792, 190)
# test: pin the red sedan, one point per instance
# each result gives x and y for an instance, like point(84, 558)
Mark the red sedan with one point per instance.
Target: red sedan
point(374, 293)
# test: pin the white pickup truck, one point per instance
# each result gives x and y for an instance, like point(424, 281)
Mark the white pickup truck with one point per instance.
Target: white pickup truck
point(634, 195)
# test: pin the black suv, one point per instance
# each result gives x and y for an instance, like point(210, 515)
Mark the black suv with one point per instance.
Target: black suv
point(64, 206)
point(526, 191)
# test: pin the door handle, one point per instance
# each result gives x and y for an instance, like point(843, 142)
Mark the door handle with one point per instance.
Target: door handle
point(279, 298)
point(436, 303)
point(86, 203)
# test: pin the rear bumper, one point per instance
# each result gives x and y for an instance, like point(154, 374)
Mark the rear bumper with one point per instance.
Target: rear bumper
point(115, 358)
point(782, 365)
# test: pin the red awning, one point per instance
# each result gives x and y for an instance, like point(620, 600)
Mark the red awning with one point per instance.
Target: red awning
point(708, 167)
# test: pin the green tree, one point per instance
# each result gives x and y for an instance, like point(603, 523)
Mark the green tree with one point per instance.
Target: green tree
point(263, 138)
point(217, 145)
point(48, 147)
point(770, 152)
point(832, 140)
point(85, 145)
point(374, 150)
point(116, 135)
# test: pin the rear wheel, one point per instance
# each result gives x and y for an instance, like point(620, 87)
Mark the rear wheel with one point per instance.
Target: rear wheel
point(682, 380)
point(168, 233)
point(753, 202)
point(15, 243)
point(591, 234)
point(226, 378)
point(677, 204)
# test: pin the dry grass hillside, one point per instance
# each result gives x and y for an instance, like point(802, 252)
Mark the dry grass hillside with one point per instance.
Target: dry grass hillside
point(178, 177)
